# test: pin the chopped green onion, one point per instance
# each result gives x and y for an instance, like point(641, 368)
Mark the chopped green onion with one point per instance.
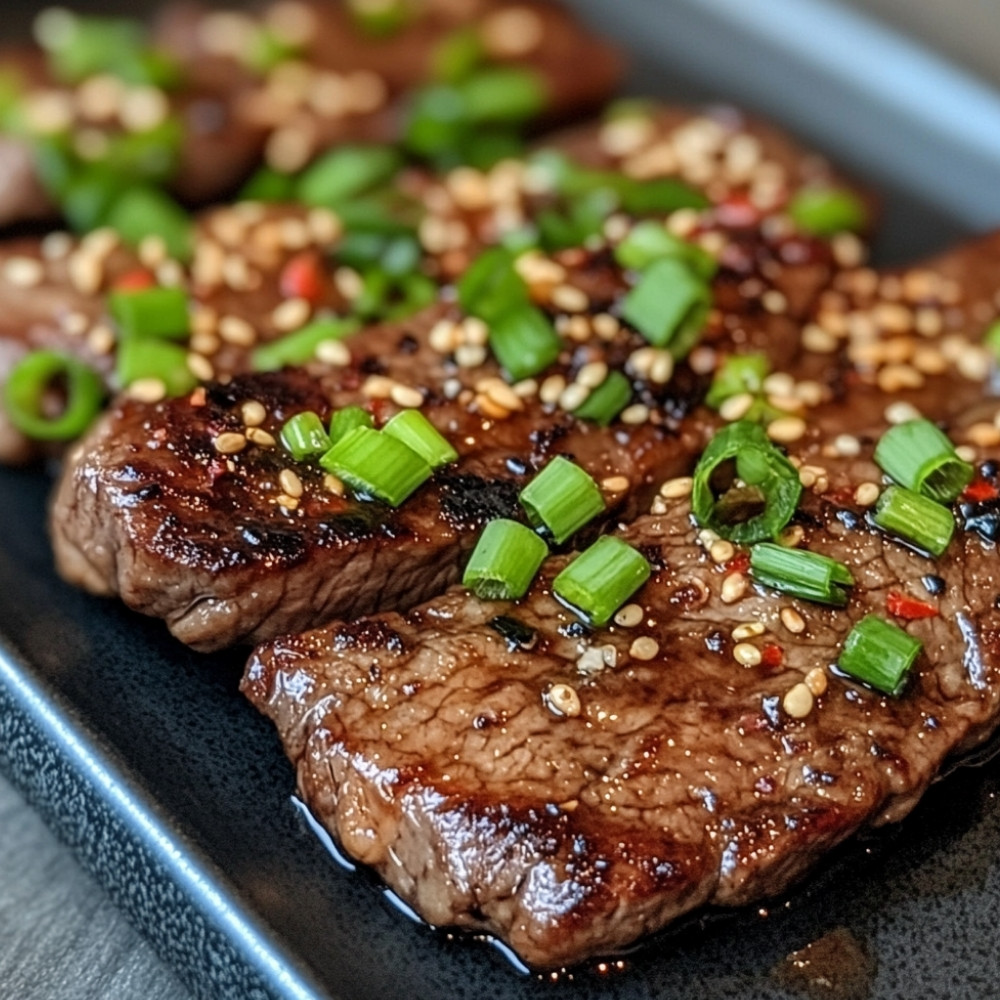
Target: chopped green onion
point(267, 49)
point(376, 465)
point(416, 431)
point(659, 196)
point(299, 347)
point(26, 387)
point(304, 436)
point(268, 184)
point(738, 374)
point(669, 305)
point(141, 212)
point(800, 573)
point(503, 94)
point(376, 287)
point(401, 256)
point(417, 291)
point(504, 561)
point(601, 579)
point(607, 400)
point(879, 654)
point(380, 20)
point(345, 420)
point(86, 200)
point(458, 55)
point(149, 155)
point(917, 455)
point(915, 518)
point(438, 124)
point(491, 285)
point(151, 312)
point(991, 340)
point(825, 211)
point(744, 488)
point(345, 173)
point(563, 497)
point(524, 342)
point(144, 357)
point(648, 241)
point(79, 46)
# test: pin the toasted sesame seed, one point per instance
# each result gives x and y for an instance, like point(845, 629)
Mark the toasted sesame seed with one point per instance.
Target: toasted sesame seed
point(629, 616)
point(900, 412)
point(55, 246)
point(748, 630)
point(230, 442)
point(200, 367)
point(253, 413)
point(286, 501)
point(333, 485)
point(333, 352)
point(816, 681)
point(676, 488)
point(721, 551)
point(615, 484)
point(637, 413)
point(894, 377)
point(75, 323)
point(736, 407)
point(406, 395)
point(798, 702)
point(146, 390)
point(260, 437)
point(974, 364)
point(512, 32)
point(236, 330)
point(573, 396)
point(983, 435)
point(101, 339)
point(324, 225)
point(662, 368)
point(625, 136)
point(489, 407)
point(774, 301)
point(792, 620)
point(792, 536)
point(470, 355)
point(734, 587)
point(444, 336)
point(605, 326)
point(706, 537)
point(86, 272)
point(502, 394)
point(561, 699)
point(288, 149)
point(779, 384)
point(785, 430)
point(291, 314)
point(644, 647)
point(551, 389)
point(569, 299)
point(815, 338)
point(658, 506)
point(747, 654)
point(526, 388)
point(143, 108)
point(809, 392)
point(290, 483)
point(966, 453)
point(847, 445)
point(24, 272)
point(592, 374)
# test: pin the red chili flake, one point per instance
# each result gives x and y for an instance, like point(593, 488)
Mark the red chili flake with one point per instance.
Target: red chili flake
point(302, 278)
point(909, 608)
point(197, 397)
point(980, 490)
point(740, 563)
point(842, 497)
point(737, 211)
point(772, 655)
point(136, 280)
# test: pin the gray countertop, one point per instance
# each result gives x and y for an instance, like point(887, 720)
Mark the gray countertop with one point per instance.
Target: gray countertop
point(60, 937)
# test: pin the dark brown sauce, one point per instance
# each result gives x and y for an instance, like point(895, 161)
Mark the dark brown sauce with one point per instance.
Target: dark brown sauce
point(834, 967)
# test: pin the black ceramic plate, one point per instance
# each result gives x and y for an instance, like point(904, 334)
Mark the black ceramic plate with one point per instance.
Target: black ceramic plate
point(144, 757)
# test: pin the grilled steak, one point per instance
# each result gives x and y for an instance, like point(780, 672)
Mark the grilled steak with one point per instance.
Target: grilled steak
point(327, 80)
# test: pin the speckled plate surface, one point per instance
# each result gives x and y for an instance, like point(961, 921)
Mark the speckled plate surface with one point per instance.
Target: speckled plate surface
point(144, 757)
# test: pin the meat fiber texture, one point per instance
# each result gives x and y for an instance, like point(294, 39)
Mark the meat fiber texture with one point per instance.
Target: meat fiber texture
point(433, 746)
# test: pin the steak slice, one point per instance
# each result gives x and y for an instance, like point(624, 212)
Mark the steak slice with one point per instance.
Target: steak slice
point(569, 790)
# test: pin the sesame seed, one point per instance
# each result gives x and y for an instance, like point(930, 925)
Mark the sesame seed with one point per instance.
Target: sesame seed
point(143, 108)
point(561, 699)
point(289, 149)
point(966, 453)
point(75, 323)
point(490, 407)
point(253, 413)
point(101, 339)
point(592, 374)
point(235, 330)
point(774, 301)
point(291, 314)
point(900, 412)
point(146, 390)
point(637, 413)
point(56, 245)
point(675, 489)
point(605, 326)
point(260, 437)
point(153, 250)
point(974, 364)
point(785, 430)
point(324, 225)
point(405, 395)
point(658, 506)
point(798, 702)
point(569, 299)
point(551, 389)
point(736, 407)
point(818, 340)
point(629, 616)
point(615, 484)
point(286, 501)
point(662, 368)
point(734, 586)
point(573, 396)
point(847, 445)
point(792, 620)
point(983, 435)
point(444, 336)
point(792, 536)
point(644, 648)
point(512, 32)
point(230, 442)
point(24, 272)
point(748, 630)
point(290, 483)
point(501, 394)
point(470, 355)
point(746, 654)
point(816, 681)
point(894, 377)
point(200, 367)
point(86, 272)
point(333, 352)
point(333, 485)
point(721, 551)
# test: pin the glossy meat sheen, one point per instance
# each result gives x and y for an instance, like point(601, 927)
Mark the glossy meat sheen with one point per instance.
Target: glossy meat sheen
point(423, 741)
point(149, 510)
